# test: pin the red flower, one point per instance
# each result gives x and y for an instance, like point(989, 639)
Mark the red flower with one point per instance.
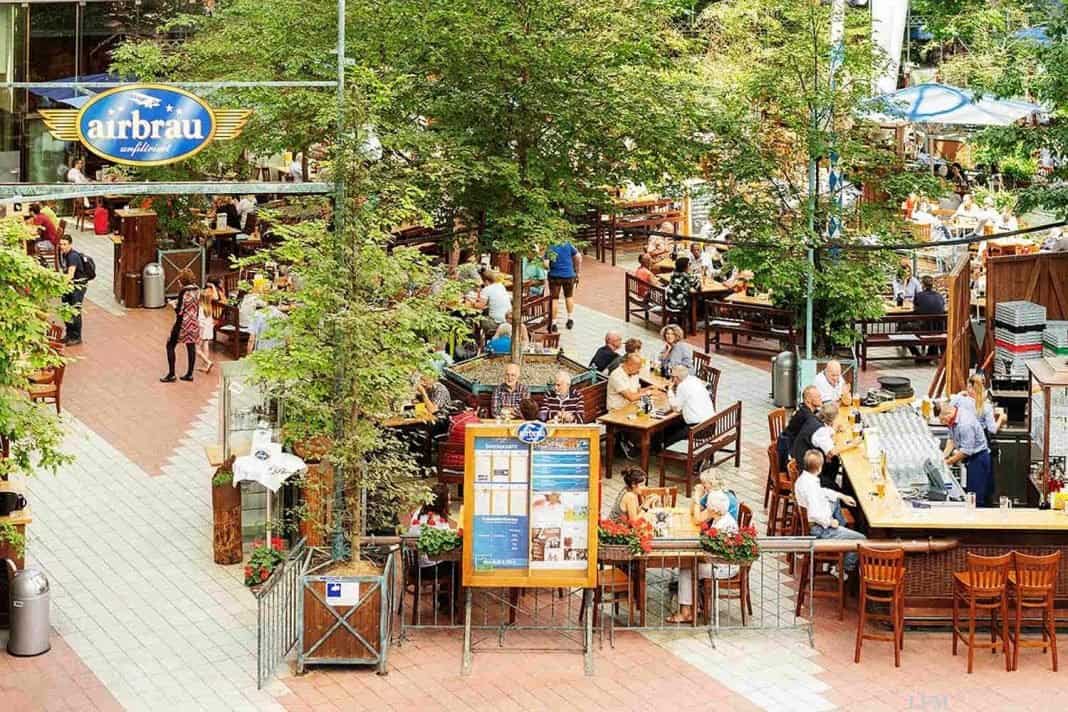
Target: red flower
point(460, 532)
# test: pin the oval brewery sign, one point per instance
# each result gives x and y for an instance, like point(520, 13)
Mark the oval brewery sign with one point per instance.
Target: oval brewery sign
point(145, 124)
point(532, 432)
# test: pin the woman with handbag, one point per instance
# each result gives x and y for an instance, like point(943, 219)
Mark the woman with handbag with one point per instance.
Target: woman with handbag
point(186, 329)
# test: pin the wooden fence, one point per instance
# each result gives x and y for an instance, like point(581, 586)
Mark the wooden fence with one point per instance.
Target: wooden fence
point(1041, 278)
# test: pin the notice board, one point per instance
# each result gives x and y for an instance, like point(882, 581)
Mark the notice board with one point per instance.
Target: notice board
point(530, 505)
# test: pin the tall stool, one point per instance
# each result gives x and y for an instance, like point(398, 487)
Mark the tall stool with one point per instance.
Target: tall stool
point(1032, 581)
point(837, 591)
point(779, 487)
point(983, 587)
point(882, 580)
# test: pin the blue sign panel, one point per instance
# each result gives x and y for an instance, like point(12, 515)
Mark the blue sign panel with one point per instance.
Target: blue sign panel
point(501, 542)
point(146, 125)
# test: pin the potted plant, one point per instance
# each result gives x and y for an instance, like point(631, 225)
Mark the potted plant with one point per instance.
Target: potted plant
point(226, 515)
point(736, 547)
point(12, 543)
point(182, 236)
point(317, 488)
point(264, 560)
point(621, 540)
point(439, 544)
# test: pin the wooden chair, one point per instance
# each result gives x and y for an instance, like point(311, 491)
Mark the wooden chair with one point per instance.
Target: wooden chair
point(776, 424)
point(836, 592)
point(983, 587)
point(535, 314)
point(703, 369)
point(738, 583)
point(618, 585)
point(882, 581)
point(420, 583)
point(546, 340)
point(446, 474)
point(669, 496)
point(55, 332)
point(49, 388)
point(1032, 585)
point(237, 338)
point(81, 214)
point(779, 487)
point(720, 433)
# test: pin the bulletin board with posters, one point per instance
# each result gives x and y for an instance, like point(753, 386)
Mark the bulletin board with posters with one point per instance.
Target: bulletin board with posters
point(531, 494)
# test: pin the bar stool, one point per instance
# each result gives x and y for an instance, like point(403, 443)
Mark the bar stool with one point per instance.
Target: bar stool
point(779, 486)
point(1032, 583)
point(983, 587)
point(836, 558)
point(882, 580)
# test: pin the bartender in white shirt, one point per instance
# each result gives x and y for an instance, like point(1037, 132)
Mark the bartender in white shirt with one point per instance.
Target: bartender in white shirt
point(830, 383)
point(688, 395)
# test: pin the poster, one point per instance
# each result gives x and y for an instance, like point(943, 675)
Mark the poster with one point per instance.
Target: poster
point(528, 506)
point(559, 504)
point(501, 483)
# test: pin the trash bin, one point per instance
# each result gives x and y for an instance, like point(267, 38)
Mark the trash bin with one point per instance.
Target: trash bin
point(30, 626)
point(131, 290)
point(784, 379)
point(153, 278)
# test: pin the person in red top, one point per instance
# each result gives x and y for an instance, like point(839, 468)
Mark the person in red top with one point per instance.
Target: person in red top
point(453, 459)
point(645, 273)
point(45, 227)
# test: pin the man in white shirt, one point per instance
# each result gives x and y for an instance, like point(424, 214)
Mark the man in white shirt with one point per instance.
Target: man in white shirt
point(76, 174)
point(624, 387)
point(689, 395)
point(824, 506)
point(495, 299)
point(830, 383)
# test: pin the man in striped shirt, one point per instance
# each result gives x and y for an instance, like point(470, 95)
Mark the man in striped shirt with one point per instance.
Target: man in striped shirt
point(561, 405)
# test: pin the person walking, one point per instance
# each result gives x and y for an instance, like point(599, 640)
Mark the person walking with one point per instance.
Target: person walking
point(72, 264)
point(207, 326)
point(186, 327)
point(565, 263)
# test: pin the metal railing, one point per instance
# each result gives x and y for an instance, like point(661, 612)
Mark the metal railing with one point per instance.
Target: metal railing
point(278, 611)
point(639, 594)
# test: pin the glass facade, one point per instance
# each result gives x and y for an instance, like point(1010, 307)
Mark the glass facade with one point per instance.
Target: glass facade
point(60, 41)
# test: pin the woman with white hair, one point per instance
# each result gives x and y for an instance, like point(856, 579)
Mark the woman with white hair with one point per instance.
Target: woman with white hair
point(676, 351)
point(716, 508)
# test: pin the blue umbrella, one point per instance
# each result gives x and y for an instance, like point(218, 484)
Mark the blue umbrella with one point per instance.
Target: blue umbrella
point(941, 104)
point(75, 97)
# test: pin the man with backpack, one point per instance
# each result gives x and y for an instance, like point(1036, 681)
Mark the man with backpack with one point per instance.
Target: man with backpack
point(80, 269)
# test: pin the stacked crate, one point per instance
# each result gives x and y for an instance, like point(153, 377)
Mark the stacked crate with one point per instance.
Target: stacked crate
point(1018, 336)
point(1055, 339)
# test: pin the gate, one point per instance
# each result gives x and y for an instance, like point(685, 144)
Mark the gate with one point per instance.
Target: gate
point(278, 613)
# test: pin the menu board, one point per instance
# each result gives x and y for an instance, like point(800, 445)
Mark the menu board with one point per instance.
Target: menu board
point(530, 507)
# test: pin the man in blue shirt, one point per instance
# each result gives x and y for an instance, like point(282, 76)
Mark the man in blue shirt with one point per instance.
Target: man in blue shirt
point(967, 444)
point(564, 263)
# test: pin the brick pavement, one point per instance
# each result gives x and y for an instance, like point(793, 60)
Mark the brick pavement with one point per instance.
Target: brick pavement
point(137, 499)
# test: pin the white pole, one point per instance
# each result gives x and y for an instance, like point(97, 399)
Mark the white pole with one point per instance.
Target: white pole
point(268, 490)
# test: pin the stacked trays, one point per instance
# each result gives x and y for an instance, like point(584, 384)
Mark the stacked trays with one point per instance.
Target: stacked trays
point(1018, 336)
point(1055, 339)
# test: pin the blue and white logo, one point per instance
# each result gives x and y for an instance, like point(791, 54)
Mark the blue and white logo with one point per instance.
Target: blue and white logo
point(145, 124)
point(532, 433)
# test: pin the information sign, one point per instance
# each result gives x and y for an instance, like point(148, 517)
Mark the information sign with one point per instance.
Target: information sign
point(530, 505)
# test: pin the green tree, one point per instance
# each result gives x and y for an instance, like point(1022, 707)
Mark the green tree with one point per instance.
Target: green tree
point(32, 432)
point(533, 106)
point(775, 110)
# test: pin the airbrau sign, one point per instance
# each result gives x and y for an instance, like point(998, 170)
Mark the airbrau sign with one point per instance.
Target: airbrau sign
point(145, 124)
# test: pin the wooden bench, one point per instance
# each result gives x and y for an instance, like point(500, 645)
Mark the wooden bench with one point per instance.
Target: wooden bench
point(900, 330)
point(752, 321)
point(720, 433)
point(648, 300)
point(535, 314)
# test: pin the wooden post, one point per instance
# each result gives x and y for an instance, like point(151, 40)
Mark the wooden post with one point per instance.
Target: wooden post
point(226, 516)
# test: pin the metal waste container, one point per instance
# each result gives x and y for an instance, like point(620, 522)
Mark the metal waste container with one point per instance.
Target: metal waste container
point(30, 625)
point(784, 379)
point(153, 278)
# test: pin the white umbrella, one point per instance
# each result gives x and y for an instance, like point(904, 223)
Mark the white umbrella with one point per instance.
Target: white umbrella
point(949, 106)
point(268, 466)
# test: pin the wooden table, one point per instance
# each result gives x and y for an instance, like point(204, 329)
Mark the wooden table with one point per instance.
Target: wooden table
point(760, 300)
point(225, 234)
point(683, 528)
point(988, 531)
point(628, 419)
point(710, 289)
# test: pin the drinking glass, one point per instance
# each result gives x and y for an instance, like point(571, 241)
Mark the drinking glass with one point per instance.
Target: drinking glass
point(1004, 503)
point(970, 499)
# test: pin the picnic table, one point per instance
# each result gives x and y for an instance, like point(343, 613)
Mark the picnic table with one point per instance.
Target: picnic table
point(628, 419)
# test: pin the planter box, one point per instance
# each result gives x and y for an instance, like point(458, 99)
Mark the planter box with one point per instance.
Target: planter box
point(174, 261)
point(356, 634)
point(226, 516)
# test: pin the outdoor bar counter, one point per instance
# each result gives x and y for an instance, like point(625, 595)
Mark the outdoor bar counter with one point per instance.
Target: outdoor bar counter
point(986, 531)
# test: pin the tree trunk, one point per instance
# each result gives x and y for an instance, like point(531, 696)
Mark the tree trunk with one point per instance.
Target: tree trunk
point(517, 308)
